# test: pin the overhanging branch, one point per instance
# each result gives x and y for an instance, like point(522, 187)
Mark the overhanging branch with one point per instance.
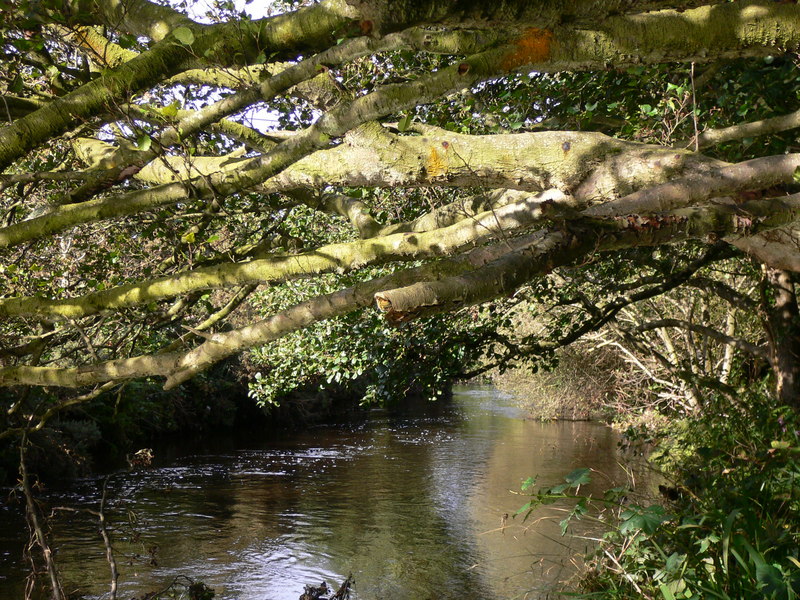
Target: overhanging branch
point(556, 248)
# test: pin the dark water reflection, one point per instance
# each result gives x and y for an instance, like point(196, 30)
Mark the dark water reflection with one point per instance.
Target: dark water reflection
point(411, 506)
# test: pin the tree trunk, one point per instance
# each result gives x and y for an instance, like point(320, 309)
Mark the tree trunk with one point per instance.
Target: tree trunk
point(783, 328)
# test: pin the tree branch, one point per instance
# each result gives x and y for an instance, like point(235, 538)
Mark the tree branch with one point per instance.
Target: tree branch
point(744, 345)
point(755, 174)
point(712, 137)
point(343, 257)
point(726, 292)
point(556, 248)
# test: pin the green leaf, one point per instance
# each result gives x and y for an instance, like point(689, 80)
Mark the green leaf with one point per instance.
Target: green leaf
point(525, 507)
point(647, 519)
point(726, 538)
point(665, 591)
point(578, 477)
point(564, 524)
point(171, 109)
point(143, 142)
point(188, 238)
point(184, 35)
point(404, 123)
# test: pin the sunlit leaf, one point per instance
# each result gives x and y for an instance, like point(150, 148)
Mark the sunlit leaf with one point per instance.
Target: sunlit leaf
point(404, 123)
point(143, 142)
point(184, 35)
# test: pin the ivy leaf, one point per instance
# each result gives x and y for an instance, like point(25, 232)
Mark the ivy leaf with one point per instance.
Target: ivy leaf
point(16, 85)
point(127, 41)
point(184, 35)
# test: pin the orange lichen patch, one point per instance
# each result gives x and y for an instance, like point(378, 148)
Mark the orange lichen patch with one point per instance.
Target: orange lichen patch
point(436, 164)
point(532, 47)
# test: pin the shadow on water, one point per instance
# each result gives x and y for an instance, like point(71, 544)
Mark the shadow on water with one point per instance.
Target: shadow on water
point(412, 506)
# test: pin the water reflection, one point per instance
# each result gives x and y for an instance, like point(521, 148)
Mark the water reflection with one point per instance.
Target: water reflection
point(412, 507)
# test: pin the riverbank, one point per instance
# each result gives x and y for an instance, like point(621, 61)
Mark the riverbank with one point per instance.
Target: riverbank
point(99, 435)
point(577, 388)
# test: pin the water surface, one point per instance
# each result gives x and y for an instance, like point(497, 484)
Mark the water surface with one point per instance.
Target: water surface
point(412, 506)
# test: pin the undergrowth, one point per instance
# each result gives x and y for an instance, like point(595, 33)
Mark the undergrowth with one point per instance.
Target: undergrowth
point(729, 525)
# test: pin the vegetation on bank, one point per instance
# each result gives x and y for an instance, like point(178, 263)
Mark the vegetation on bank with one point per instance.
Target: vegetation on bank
point(726, 526)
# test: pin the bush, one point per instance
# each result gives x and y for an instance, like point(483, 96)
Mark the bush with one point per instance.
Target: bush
point(732, 526)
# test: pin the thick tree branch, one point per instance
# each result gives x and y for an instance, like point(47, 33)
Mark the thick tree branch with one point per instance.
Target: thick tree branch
point(712, 137)
point(558, 248)
point(182, 366)
point(454, 212)
point(66, 112)
point(507, 220)
point(313, 26)
point(526, 258)
point(756, 174)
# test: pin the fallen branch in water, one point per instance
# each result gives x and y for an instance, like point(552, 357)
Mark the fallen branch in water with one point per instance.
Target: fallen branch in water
point(320, 592)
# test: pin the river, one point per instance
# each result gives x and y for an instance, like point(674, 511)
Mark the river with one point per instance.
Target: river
point(410, 505)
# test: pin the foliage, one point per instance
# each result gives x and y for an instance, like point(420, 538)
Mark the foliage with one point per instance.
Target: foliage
point(360, 352)
point(730, 528)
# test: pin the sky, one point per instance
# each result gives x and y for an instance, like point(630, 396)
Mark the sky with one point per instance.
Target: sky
point(259, 119)
point(255, 8)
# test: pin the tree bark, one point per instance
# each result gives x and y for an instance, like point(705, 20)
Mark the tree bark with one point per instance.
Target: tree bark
point(779, 303)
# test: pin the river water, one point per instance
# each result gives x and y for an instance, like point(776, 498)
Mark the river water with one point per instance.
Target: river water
point(410, 505)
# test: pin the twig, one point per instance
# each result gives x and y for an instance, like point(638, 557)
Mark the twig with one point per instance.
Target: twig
point(33, 517)
point(112, 563)
point(100, 514)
